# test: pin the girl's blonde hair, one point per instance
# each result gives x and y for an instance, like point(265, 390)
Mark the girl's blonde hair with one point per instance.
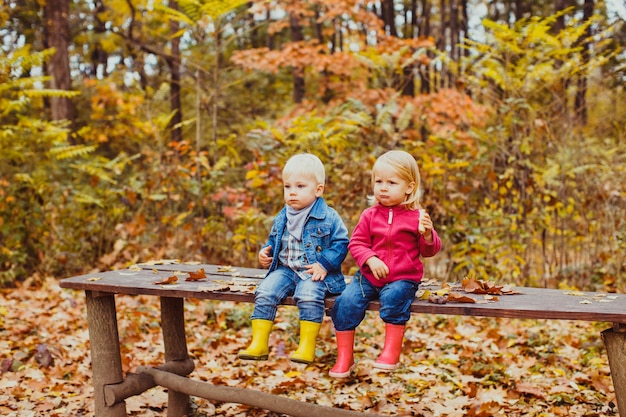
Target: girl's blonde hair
point(406, 167)
point(305, 164)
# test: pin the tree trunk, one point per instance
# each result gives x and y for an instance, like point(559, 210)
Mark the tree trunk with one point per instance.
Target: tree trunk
point(389, 17)
point(581, 92)
point(454, 38)
point(174, 64)
point(298, 77)
point(442, 41)
point(424, 30)
point(57, 36)
point(408, 88)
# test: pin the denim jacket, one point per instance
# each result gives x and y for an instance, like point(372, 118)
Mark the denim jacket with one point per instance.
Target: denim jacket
point(325, 240)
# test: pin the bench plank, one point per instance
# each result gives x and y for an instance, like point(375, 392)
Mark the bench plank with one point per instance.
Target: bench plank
point(530, 303)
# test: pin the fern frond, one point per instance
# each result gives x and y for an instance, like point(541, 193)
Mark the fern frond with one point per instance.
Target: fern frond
point(162, 94)
point(217, 8)
point(190, 11)
point(95, 171)
point(72, 151)
point(88, 199)
point(405, 117)
point(187, 16)
point(50, 93)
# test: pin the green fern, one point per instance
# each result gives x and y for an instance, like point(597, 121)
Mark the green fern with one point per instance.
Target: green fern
point(95, 171)
point(72, 151)
point(50, 93)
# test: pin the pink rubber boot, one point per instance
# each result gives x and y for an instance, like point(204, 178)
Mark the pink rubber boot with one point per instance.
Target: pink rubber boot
point(345, 357)
point(390, 357)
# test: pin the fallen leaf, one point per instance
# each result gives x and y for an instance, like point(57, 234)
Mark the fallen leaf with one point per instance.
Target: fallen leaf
point(480, 287)
point(529, 389)
point(197, 275)
point(456, 297)
point(225, 269)
point(169, 280)
point(162, 262)
point(424, 294)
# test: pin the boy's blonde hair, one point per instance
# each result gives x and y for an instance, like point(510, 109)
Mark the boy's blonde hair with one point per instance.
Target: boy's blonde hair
point(306, 164)
point(406, 167)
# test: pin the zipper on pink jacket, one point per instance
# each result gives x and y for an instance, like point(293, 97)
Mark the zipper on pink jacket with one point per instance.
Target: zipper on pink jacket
point(389, 221)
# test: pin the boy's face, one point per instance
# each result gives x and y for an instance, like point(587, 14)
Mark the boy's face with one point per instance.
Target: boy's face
point(301, 190)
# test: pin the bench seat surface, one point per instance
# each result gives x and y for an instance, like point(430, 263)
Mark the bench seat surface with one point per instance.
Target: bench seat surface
point(237, 284)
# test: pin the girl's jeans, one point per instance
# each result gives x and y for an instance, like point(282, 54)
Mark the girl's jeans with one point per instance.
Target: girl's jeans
point(395, 302)
point(283, 282)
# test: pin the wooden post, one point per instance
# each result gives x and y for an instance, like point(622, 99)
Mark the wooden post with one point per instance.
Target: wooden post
point(175, 342)
point(106, 361)
point(615, 342)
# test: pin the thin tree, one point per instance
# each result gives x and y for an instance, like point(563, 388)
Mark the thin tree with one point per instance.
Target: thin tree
point(174, 63)
point(580, 105)
point(298, 77)
point(56, 27)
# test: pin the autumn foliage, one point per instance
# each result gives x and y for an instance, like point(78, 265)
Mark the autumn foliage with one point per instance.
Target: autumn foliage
point(520, 185)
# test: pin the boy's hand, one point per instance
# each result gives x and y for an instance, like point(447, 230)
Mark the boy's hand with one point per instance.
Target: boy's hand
point(378, 267)
point(426, 226)
point(317, 271)
point(264, 257)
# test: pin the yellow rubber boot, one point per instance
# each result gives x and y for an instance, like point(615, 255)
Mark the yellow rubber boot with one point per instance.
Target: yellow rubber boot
point(308, 336)
point(258, 349)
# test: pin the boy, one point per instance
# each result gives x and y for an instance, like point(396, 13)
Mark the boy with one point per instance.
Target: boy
point(306, 247)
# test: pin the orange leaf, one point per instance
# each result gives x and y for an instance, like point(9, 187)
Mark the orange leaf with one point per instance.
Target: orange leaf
point(195, 276)
point(455, 297)
point(169, 280)
point(529, 389)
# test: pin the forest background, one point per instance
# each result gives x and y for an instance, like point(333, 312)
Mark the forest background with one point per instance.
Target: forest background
point(133, 130)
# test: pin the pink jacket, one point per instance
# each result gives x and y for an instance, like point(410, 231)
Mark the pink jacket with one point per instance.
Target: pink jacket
point(390, 233)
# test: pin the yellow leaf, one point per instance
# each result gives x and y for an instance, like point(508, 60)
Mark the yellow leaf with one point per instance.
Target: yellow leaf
point(425, 295)
point(292, 374)
point(442, 292)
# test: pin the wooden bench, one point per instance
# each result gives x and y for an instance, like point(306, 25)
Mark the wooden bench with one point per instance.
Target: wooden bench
point(111, 388)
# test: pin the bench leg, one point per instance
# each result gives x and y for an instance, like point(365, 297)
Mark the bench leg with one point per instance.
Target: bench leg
point(615, 342)
point(106, 361)
point(175, 342)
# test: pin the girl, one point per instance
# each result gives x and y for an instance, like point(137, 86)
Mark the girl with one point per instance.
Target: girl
point(387, 243)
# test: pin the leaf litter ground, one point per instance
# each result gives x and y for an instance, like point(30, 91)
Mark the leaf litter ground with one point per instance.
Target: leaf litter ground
point(451, 366)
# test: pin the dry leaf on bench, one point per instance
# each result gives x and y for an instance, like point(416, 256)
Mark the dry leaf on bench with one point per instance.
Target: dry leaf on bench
point(455, 297)
point(197, 275)
point(169, 280)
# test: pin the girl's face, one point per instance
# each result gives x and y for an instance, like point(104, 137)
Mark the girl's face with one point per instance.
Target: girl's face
point(301, 190)
point(389, 189)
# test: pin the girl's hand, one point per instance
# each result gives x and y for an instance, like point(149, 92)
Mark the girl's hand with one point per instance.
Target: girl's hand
point(264, 257)
point(426, 226)
point(378, 267)
point(317, 271)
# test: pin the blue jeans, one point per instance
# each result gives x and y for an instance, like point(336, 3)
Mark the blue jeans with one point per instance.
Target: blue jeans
point(395, 302)
point(282, 283)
